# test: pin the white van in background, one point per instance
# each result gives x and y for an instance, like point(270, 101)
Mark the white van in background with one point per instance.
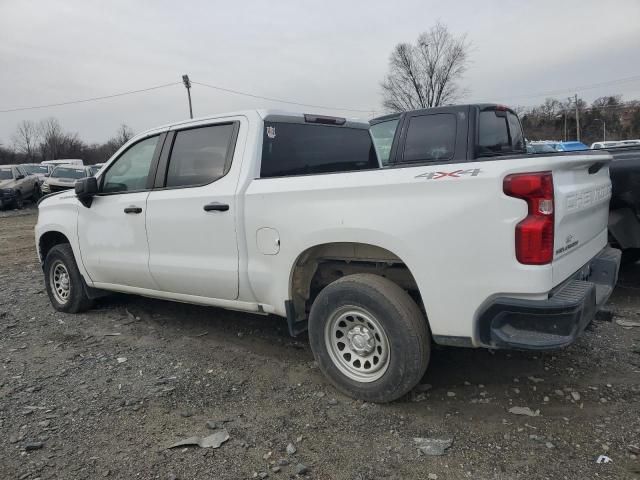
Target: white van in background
point(76, 162)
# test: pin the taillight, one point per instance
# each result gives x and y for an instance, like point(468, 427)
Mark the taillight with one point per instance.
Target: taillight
point(534, 234)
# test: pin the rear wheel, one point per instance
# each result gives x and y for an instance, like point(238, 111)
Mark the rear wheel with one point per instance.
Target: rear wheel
point(369, 337)
point(64, 283)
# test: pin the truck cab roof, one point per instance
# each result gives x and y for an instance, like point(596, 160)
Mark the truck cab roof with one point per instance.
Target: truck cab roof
point(267, 115)
point(444, 108)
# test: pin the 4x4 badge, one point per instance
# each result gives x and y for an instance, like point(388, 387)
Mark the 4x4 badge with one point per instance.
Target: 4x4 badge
point(473, 172)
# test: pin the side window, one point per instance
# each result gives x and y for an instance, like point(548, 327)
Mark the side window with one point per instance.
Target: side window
point(499, 132)
point(200, 155)
point(131, 170)
point(383, 134)
point(430, 138)
point(301, 149)
point(493, 136)
point(515, 130)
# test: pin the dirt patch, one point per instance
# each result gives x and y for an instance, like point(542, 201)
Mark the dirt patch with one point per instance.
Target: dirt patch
point(102, 394)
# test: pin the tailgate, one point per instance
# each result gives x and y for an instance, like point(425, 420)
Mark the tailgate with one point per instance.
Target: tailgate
point(582, 191)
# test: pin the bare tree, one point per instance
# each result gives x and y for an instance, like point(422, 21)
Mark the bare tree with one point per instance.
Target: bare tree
point(26, 138)
point(123, 135)
point(426, 74)
point(52, 138)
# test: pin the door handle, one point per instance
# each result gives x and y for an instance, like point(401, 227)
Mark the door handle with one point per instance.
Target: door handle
point(133, 209)
point(216, 206)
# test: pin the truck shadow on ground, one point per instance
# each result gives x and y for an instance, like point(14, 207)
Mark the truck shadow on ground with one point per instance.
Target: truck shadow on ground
point(268, 336)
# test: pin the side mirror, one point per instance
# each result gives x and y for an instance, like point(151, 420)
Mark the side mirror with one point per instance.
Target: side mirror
point(20, 177)
point(86, 188)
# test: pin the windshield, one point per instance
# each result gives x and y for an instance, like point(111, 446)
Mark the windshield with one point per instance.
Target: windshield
point(36, 169)
point(5, 174)
point(63, 172)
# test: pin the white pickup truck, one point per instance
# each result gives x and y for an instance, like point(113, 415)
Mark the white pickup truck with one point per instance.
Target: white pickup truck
point(430, 226)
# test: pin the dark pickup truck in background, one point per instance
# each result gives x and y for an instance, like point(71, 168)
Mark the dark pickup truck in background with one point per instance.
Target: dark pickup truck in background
point(624, 213)
point(489, 130)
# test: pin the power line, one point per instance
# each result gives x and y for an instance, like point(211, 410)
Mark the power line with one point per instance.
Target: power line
point(577, 89)
point(238, 92)
point(71, 102)
point(290, 102)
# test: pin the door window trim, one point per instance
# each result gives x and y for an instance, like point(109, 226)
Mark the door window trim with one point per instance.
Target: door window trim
point(162, 168)
point(152, 168)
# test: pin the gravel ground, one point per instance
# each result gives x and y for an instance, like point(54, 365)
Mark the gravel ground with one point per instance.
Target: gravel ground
point(102, 394)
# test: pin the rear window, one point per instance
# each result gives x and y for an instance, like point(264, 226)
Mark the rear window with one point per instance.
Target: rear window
point(36, 168)
point(300, 149)
point(430, 138)
point(499, 133)
point(62, 172)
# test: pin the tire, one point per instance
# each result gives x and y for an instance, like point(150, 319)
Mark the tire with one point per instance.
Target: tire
point(18, 203)
point(385, 339)
point(630, 256)
point(36, 193)
point(63, 281)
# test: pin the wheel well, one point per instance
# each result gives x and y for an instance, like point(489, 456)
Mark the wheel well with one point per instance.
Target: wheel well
point(50, 240)
point(321, 265)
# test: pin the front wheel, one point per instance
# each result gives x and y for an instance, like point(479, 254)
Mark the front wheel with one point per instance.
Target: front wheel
point(37, 193)
point(63, 281)
point(369, 337)
point(18, 203)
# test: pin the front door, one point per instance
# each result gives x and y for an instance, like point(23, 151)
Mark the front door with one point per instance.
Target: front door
point(191, 213)
point(112, 233)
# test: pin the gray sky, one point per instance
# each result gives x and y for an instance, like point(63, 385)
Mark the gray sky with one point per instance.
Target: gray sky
point(331, 53)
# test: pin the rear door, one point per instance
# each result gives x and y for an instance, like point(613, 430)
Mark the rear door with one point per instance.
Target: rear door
point(191, 213)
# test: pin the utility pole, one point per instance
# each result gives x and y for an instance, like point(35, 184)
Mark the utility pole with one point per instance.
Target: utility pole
point(604, 128)
point(187, 84)
point(577, 119)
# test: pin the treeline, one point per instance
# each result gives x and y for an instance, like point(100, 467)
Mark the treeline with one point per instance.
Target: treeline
point(556, 120)
point(34, 142)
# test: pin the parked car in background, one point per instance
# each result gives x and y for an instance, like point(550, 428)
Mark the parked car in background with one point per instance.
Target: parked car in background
point(39, 170)
point(568, 146)
point(629, 142)
point(94, 169)
point(64, 161)
point(16, 185)
point(64, 177)
point(540, 147)
point(599, 145)
point(624, 214)
point(463, 239)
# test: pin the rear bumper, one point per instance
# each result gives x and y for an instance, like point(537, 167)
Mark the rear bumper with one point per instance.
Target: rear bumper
point(557, 321)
